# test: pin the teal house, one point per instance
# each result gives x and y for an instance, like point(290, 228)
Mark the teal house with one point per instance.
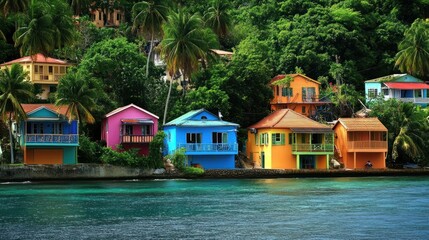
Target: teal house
point(208, 141)
point(46, 136)
point(403, 87)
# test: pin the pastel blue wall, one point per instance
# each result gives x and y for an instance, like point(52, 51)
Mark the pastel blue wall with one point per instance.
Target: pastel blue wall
point(213, 161)
point(372, 85)
point(70, 155)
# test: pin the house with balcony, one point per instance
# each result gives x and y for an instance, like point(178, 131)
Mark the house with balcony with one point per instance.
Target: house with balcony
point(208, 141)
point(286, 139)
point(47, 136)
point(358, 140)
point(131, 127)
point(403, 87)
point(43, 71)
point(300, 94)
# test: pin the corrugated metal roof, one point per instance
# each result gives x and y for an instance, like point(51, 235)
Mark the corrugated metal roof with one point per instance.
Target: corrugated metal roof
point(186, 120)
point(36, 58)
point(395, 78)
point(28, 108)
point(406, 85)
point(287, 118)
point(361, 124)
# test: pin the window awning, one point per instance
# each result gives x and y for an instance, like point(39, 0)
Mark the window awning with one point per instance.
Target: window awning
point(312, 130)
point(406, 85)
point(136, 121)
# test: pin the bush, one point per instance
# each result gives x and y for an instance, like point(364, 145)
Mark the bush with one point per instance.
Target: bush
point(129, 158)
point(89, 151)
point(193, 172)
point(155, 151)
point(178, 158)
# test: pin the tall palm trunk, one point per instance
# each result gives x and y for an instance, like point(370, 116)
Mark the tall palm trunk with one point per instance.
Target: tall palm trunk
point(167, 101)
point(149, 55)
point(12, 157)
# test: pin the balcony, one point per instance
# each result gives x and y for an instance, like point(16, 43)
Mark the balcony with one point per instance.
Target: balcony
point(321, 148)
point(136, 138)
point(210, 147)
point(369, 146)
point(309, 99)
point(52, 138)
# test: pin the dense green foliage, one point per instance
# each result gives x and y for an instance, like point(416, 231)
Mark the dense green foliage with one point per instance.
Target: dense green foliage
point(178, 158)
point(193, 172)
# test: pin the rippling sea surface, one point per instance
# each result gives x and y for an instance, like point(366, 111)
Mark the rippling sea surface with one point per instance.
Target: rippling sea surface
point(328, 208)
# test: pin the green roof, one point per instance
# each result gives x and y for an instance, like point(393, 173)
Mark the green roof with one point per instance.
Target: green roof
point(395, 78)
point(188, 119)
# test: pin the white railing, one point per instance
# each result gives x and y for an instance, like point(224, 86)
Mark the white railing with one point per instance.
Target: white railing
point(51, 138)
point(209, 147)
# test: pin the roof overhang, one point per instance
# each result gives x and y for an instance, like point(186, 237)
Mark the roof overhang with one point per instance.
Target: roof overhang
point(406, 85)
point(311, 130)
point(136, 121)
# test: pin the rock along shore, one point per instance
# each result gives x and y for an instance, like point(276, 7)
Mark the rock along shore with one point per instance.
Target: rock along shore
point(108, 172)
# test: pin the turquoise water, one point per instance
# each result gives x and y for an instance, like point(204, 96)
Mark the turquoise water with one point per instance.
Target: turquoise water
point(334, 208)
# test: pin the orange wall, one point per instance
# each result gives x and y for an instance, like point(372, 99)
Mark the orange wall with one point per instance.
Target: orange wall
point(43, 156)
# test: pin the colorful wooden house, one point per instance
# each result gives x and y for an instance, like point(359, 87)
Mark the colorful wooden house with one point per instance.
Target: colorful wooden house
point(358, 140)
point(403, 87)
point(301, 94)
point(289, 140)
point(46, 136)
point(131, 127)
point(208, 141)
point(43, 71)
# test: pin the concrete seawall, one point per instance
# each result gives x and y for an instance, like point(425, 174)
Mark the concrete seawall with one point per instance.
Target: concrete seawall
point(100, 172)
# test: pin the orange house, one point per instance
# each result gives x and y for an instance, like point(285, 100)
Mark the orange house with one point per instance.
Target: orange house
point(358, 140)
point(288, 140)
point(301, 94)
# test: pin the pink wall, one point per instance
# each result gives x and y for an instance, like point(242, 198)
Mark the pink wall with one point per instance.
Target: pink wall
point(112, 134)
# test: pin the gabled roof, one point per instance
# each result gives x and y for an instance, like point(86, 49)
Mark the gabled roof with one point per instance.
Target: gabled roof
point(281, 76)
point(31, 108)
point(395, 78)
point(361, 124)
point(129, 106)
point(287, 118)
point(36, 58)
point(407, 85)
point(188, 120)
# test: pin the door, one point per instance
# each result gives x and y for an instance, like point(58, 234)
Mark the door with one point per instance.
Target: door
point(308, 162)
point(263, 159)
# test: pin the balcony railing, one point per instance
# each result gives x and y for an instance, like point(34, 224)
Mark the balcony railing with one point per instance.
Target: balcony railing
point(51, 138)
point(210, 147)
point(361, 145)
point(313, 98)
point(411, 100)
point(137, 138)
point(313, 148)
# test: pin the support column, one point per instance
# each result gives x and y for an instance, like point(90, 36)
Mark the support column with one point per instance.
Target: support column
point(327, 161)
point(354, 160)
point(297, 162)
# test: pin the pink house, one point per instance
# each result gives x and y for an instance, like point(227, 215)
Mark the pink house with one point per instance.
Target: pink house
point(130, 126)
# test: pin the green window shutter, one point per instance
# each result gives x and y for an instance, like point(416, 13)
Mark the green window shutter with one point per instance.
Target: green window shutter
point(282, 139)
point(260, 138)
point(291, 92)
point(266, 135)
point(284, 91)
point(273, 138)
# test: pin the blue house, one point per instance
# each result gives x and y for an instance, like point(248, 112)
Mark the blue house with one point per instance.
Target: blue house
point(403, 87)
point(208, 140)
point(46, 136)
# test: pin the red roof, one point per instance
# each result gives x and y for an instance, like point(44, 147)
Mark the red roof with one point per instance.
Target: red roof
point(36, 58)
point(31, 107)
point(407, 85)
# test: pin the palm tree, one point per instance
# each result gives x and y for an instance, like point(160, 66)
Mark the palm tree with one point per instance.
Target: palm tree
point(148, 18)
point(8, 6)
point(218, 19)
point(78, 6)
point(14, 88)
point(76, 93)
point(185, 43)
point(413, 55)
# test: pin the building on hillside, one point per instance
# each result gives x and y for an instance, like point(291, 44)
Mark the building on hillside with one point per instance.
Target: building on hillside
point(47, 136)
point(43, 71)
point(403, 87)
point(302, 95)
point(286, 139)
point(358, 140)
point(209, 141)
point(131, 127)
point(107, 18)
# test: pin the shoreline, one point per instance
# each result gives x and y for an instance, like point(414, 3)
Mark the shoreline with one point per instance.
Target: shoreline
point(108, 172)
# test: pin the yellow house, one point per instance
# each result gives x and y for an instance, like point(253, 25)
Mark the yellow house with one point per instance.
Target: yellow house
point(43, 71)
point(286, 139)
point(301, 95)
point(358, 140)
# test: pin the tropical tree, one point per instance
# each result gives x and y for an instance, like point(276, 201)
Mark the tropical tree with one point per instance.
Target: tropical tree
point(217, 18)
point(185, 43)
point(75, 92)
point(79, 6)
point(148, 17)
point(9, 6)
point(14, 89)
point(413, 55)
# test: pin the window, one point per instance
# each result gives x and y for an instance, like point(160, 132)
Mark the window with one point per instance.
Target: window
point(193, 138)
point(418, 93)
point(278, 138)
point(62, 70)
point(287, 92)
point(302, 138)
point(146, 130)
point(35, 128)
point(218, 137)
point(58, 128)
point(41, 69)
point(50, 69)
point(303, 109)
point(118, 17)
point(128, 129)
point(99, 15)
point(372, 92)
point(264, 139)
point(256, 139)
point(36, 68)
